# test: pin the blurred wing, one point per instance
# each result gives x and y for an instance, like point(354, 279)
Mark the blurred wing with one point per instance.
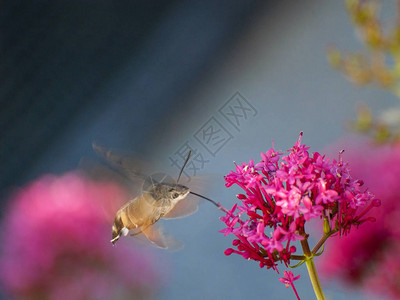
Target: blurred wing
point(99, 172)
point(204, 183)
point(199, 184)
point(155, 235)
point(184, 208)
point(127, 164)
point(123, 192)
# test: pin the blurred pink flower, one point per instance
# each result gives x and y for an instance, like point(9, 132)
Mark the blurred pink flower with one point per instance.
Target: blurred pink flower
point(55, 244)
point(369, 256)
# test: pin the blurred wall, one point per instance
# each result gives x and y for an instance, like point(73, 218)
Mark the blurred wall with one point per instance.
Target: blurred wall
point(79, 71)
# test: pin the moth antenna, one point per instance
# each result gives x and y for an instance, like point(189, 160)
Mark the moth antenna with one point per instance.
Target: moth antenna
point(184, 165)
point(220, 207)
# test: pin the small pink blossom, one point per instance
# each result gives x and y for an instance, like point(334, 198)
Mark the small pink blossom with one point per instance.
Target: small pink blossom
point(325, 195)
point(288, 278)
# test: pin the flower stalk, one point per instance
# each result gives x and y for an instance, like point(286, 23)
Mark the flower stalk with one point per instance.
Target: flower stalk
point(312, 271)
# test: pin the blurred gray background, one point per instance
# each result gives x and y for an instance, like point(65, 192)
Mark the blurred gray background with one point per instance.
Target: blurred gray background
point(151, 76)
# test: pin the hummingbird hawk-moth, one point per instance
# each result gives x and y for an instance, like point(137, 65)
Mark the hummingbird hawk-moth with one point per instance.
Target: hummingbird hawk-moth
point(161, 198)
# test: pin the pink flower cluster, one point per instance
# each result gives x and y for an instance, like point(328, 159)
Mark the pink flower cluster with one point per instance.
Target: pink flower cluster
point(283, 192)
point(370, 258)
point(55, 244)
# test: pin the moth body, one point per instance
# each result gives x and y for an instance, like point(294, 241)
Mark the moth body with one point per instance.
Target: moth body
point(142, 212)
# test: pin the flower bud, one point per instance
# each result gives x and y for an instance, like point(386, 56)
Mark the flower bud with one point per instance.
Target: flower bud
point(228, 251)
point(376, 203)
point(327, 228)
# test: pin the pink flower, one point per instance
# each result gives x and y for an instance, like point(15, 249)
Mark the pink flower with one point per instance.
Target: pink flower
point(326, 196)
point(282, 193)
point(369, 258)
point(288, 278)
point(55, 245)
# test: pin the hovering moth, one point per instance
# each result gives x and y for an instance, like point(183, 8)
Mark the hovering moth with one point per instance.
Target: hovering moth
point(161, 198)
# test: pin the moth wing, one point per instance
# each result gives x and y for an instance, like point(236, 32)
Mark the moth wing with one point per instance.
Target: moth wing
point(100, 172)
point(156, 236)
point(184, 208)
point(203, 183)
point(129, 164)
point(199, 184)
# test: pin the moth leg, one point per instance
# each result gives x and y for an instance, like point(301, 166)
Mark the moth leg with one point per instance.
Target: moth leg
point(114, 240)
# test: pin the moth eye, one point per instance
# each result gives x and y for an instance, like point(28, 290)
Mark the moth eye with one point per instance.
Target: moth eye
point(175, 195)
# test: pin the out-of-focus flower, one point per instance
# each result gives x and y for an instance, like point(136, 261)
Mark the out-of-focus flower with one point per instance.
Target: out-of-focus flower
point(282, 193)
point(369, 257)
point(55, 245)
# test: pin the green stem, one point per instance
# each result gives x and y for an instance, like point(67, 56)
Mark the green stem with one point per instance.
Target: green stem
point(312, 271)
point(323, 240)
